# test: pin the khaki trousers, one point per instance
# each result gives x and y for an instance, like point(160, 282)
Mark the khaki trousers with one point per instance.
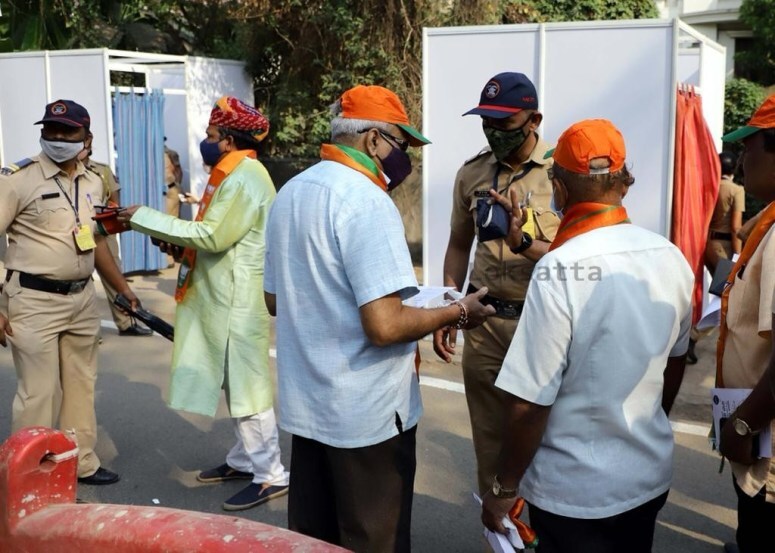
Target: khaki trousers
point(715, 250)
point(483, 353)
point(54, 347)
point(121, 319)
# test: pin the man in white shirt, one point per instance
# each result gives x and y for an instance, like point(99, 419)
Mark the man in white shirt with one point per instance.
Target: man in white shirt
point(594, 372)
point(336, 272)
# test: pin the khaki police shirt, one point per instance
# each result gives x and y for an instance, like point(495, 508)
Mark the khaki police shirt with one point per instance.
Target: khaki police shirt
point(109, 181)
point(172, 169)
point(731, 197)
point(40, 221)
point(749, 345)
point(507, 275)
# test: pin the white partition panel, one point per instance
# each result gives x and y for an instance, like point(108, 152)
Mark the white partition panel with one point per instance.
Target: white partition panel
point(625, 71)
point(688, 68)
point(21, 106)
point(623, 74)
point(80, 76)
point(713, 79)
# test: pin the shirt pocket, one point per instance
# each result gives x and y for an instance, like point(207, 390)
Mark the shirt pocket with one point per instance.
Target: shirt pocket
point(547, 222)
point(55, 214)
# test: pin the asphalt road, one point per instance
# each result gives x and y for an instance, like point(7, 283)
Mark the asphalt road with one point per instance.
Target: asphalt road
point(158, 451)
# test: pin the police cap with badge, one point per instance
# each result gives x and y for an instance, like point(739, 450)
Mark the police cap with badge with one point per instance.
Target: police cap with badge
point(64, 112)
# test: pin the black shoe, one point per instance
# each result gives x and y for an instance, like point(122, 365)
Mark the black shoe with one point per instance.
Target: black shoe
point(691, 357)
point(222, 473)
point(102, 477)
point(135, 330)
point(254, 494)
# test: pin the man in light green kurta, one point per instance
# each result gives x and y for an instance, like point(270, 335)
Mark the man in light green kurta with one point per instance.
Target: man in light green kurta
point(221, 322)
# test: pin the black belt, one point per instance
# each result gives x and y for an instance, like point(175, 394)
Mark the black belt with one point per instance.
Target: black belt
point(715, 235)
point(506, 309)
point(41, 284)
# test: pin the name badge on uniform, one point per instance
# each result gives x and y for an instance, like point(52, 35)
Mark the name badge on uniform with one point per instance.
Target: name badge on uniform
point(84, 238)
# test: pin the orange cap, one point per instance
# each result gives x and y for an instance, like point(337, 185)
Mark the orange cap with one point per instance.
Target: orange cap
point(587, 140)
point(764, 118)
point(376, 103)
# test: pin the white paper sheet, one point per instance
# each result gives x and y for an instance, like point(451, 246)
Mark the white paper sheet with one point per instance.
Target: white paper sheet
point(711, 316)
point(428, 296)
point(499, 542)
point(724, 402)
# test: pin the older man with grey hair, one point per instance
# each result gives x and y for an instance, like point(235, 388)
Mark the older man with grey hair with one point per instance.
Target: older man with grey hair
point(337, 272)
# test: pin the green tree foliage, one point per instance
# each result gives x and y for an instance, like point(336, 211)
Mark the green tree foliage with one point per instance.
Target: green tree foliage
point(302, 53)
point(29, 25)
point(538, 11)
point(741, 99)
point(758, 62)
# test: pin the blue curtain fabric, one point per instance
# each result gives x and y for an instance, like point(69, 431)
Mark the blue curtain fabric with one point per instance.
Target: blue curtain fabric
point(138, 123)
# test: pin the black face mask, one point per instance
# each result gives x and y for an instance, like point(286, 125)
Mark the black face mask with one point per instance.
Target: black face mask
point(503, 143)
point(396, 166)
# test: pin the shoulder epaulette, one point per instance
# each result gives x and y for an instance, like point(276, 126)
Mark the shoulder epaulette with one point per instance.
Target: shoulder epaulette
point(93, 170)
point(13, 167)
point(484, 151)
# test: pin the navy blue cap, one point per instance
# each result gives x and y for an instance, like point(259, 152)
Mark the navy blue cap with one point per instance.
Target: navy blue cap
point(67, 113)
point(504, 95)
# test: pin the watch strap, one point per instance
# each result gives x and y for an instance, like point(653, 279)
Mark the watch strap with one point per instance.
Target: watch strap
point(527, 241)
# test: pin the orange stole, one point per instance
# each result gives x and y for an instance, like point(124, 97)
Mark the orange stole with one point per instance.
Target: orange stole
point(332, 153)
point(585, 217)
point(762, 227)
point(218, 174)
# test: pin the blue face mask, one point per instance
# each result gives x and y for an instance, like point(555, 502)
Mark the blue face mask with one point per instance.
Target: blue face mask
point(210, 152)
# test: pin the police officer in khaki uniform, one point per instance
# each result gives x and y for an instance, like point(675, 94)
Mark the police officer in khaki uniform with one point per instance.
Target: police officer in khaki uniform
point(723, 240)
point(727, 219)
point(47, 308)
point(173, 177)
point(110, 195)
point(514, 160)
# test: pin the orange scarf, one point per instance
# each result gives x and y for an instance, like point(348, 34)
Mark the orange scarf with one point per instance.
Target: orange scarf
point(585, 217)
point(223, 169)
point(762, 227)
point(331, 152)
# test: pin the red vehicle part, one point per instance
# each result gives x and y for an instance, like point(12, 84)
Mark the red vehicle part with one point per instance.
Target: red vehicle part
point(38, 512)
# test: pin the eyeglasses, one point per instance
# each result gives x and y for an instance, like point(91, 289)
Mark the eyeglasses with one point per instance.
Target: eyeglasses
point(400, 142)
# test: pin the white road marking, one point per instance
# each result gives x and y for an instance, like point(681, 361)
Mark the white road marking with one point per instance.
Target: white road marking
point(458, 388)
point(689, 428)
point(442, 384)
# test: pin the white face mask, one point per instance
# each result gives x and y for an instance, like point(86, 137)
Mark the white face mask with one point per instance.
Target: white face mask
point(61, 151)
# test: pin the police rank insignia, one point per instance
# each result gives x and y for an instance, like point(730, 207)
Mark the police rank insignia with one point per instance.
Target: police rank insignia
point(13, 167)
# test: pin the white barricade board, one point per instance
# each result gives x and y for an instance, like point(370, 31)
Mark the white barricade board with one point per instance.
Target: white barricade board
point(625, 71)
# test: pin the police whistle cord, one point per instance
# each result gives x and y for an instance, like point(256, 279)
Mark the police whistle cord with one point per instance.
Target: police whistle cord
point(150, 320)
